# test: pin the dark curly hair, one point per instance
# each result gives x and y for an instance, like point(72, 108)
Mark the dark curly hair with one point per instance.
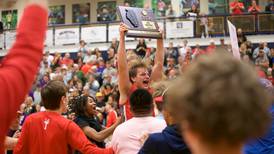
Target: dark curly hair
point(78, 104)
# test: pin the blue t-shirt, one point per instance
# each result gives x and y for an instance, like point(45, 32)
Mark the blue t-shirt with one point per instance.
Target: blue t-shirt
point(262, 145)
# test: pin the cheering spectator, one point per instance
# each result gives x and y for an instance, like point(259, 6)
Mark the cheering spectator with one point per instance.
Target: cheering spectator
point(50, 129)
point(254, 8)
point(86, 118)
point(215, 108)
point(137, 76)
point(236, 7)
point(127, 137)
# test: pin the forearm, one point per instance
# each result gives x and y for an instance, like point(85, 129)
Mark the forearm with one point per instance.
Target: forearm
point(10, 143)
point(123, 76)
point(21, 64)
point(159, 61)
point(106, 132)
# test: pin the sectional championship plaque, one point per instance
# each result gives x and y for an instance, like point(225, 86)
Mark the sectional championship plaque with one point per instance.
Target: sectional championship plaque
point(141, 22)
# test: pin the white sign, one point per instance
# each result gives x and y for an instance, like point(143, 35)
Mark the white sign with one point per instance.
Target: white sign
point(10, 38)
point(49, 38)
point(234, 40)
point(1, 41)
point(67, 36)
point(179, 29)
point(94, 34)
point(113, 32)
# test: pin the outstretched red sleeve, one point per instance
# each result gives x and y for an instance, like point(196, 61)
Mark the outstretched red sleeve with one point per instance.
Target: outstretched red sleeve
point(20, 66)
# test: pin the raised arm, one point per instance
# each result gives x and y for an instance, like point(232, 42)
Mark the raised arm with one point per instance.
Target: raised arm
point(20, 66)
point(158, 67)
point(102, 135)
point(123, 75)
point(78, 140)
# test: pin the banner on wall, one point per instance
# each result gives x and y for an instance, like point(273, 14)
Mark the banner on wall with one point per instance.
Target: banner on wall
point(10, 38)
point(94, 34)
point(49, 38)
point(113, 32)
point(179, 29)
point(67, 36)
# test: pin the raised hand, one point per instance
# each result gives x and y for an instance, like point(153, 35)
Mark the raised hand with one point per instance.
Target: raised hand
point(122, 29)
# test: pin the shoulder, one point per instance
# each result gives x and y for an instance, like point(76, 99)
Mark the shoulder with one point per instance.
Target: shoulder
point(155, 138)
point(81, 122)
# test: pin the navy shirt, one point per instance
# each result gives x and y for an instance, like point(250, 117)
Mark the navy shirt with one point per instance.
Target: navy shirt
point(169, 141)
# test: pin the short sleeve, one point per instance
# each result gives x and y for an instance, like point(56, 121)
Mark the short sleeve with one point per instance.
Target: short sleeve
point(81, 122)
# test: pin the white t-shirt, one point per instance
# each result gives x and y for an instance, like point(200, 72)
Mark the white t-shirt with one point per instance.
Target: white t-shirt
point(126, 137)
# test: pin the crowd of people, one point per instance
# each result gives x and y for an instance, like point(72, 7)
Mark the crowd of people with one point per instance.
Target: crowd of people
point(173, 100)
point(235, 7)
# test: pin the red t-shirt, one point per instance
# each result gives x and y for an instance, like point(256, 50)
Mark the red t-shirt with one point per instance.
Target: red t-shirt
point(49, 132)
point(66, 61)
point(85, 68)
point(111, 118)
point(236, 10)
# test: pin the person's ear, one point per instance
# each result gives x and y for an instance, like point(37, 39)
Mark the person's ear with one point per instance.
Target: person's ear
point(63, 99)
point(133, 79)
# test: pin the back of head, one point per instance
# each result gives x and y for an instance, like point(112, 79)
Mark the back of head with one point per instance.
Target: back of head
point(220, 98)
point(52, 94)
point(141, 102)
point(159, 89)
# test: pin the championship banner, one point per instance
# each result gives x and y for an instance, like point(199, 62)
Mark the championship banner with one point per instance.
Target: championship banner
point(179, 29)
point(49, 38)
point(10, 38)
point(94, 34)
point(113, 32)
point(234, 40)
point(66, 36)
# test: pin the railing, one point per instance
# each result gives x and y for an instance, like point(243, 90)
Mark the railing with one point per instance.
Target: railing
point(174, 28)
